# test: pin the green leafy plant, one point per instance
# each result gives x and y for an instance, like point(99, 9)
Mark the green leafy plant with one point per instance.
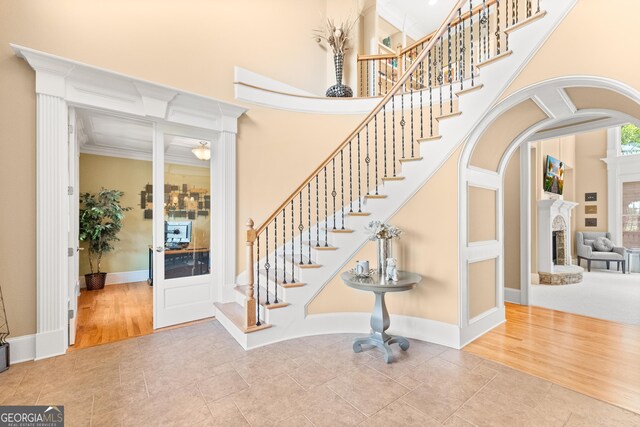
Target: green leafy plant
point(630, 139)
point(101, 218)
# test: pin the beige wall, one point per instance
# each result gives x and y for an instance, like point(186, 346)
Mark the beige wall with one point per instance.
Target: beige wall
point(429, 247)
point(191, 47)
point(511, 201)
point(591, 177)
point(130, 177)
point(482, 286)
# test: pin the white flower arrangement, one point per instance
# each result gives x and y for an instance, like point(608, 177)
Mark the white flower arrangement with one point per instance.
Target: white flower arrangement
point(381, 230)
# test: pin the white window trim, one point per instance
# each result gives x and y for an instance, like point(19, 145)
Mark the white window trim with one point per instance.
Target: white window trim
point(620, 169)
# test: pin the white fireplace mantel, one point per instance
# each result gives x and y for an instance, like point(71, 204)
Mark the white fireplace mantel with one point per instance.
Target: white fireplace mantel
point(548, 210)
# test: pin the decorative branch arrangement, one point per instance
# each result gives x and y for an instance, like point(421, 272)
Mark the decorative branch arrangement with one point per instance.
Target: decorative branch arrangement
point(382, 230)
point(4, 324)
point(337, 37)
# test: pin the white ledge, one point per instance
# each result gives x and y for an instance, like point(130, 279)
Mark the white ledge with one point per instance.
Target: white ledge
point(261, 90)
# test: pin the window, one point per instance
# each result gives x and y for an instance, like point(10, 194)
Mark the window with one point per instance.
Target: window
point(631, 214)
point(630, 140)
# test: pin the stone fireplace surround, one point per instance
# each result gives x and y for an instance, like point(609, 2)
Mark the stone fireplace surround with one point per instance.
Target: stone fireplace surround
point(554, 217)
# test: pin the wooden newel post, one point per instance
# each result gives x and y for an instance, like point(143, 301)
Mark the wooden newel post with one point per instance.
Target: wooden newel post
point(250, 320)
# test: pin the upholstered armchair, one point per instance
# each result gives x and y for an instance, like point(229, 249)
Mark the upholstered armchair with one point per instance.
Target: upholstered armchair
point(585, 249)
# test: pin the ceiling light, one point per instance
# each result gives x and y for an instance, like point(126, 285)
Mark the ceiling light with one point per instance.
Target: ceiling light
point(202, 152)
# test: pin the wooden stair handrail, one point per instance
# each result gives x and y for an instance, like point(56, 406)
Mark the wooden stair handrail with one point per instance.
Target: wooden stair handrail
point(394, 90)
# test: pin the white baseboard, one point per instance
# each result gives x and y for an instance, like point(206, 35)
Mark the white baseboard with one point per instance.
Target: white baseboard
point(512, 295)
point(50, 344)
point(22, 349)
point(334, 323)
point(122, 277)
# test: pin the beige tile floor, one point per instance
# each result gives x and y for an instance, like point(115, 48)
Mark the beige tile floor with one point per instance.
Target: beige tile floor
point(198, 375)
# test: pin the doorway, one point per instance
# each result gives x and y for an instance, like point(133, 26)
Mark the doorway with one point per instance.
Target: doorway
point(159, 269)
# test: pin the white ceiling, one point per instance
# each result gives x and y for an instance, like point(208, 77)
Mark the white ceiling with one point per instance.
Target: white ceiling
point(416, 17)
point(108, 135)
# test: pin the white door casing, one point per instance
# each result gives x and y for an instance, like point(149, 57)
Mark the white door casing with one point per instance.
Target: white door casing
point(61, 83)
point(74, 244)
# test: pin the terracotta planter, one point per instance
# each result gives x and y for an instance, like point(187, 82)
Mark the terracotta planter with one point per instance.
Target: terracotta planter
point(95, 281)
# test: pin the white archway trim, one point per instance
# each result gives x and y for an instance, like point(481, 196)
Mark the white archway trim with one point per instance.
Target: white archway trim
point(552, 98)
point(61, 83)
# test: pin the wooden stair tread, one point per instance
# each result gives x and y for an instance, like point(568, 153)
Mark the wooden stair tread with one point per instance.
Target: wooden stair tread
point(494, 59)
point(410, 159)
point(430, 138)
point(392, 178)
point(305, 261)
point(526, 21)
point(263, 297)
point(358, 213)
point(375, 196)
point(449, 115)
point(236, 313)
point(280, 281)
point(470, 89)
point(319, 247)
point(340, 230)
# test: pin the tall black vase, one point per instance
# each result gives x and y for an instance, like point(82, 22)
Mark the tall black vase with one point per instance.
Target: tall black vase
point(339, 90)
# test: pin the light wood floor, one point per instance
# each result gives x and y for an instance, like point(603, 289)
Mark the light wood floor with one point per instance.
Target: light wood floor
point(114, 313)
point(596, 357)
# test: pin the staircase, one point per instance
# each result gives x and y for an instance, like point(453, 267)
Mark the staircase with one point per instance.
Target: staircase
point(456, 74)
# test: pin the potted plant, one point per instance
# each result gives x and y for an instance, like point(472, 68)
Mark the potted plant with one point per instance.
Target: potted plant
point(101, 218)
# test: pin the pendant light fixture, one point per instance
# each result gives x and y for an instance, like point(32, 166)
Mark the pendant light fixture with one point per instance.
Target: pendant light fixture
point(202, 152)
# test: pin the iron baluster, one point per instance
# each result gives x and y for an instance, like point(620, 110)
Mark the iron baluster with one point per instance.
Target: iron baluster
point(293, 255)
point(367, 74)
point(333, 191)
point(361, 77)
point(267, 266)
point(528, 8)
point(463, 51)
point(384, 138)
point(326, 216)
point(301, 228)
point(514, 7)
point(317, 213)
point(309, 218)
point(393, 131)
point(411, 114)
point(284, 248)
point(375, 149)
point(449, 69)
point(538, 8)
point(471, 38)
point(402, 122)
point(430, 95)
point(258, 287)
point(484, 21)
point(421, 107)
point(498, 27)
point(441, 72)
point(359, 179)
point(275, 259)
point(342, 186)
point(367, 159)
point(350, 179)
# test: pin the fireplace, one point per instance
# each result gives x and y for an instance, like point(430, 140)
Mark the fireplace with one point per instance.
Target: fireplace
point(554, 243)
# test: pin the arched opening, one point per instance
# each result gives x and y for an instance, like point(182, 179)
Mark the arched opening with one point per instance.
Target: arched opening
point(548, 109)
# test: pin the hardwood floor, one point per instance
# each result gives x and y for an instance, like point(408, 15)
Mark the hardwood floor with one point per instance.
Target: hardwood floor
point(114, 313)
point(596, 357)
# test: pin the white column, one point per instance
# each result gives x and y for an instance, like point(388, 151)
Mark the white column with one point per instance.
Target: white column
point(226, 224)
point(52, 227)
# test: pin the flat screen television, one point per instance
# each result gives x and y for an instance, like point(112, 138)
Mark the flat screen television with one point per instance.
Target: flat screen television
point(553, 176)
point(177, 233)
